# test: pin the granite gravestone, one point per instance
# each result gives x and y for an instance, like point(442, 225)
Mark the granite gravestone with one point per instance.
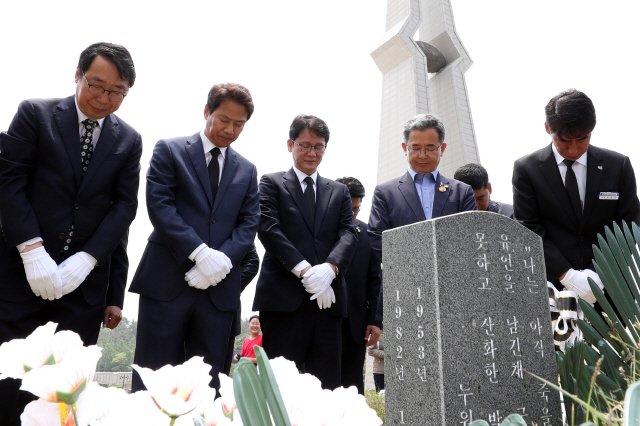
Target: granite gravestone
point(466, 312)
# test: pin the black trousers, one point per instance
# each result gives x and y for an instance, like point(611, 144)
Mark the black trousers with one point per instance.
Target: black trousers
point(19, 320)
point(309, 336)
point(353, 354)
point(174, 331)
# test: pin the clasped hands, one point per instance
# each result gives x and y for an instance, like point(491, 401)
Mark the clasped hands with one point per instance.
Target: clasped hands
point(577, 281)
point(317, 281)
point(50, 281)
point(211, 267)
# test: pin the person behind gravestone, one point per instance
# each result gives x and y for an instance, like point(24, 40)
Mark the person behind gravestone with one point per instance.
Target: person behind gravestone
point(423, 192)
point(203, 202)
point(68, 193)
point(568, 191)
point(477, 177)
point(307, 230)
point(360, 329)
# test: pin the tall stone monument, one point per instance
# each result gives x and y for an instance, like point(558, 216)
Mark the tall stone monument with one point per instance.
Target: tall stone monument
point(423, 76)
point(466, 316)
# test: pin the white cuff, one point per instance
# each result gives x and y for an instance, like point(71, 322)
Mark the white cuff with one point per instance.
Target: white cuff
point(92, 259)
point(22, 246)
point(299, 268)
point(194, 253)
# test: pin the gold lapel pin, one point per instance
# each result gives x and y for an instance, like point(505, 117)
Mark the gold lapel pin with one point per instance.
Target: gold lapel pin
point(443, 187)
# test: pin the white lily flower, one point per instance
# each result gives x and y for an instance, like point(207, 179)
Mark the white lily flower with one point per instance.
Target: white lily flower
point(64, 382)
point(43, 347)
point(177, 390)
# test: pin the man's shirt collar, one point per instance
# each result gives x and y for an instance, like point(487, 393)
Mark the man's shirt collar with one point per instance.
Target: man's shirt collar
point(301, 175)
point(559, 158)
point(207, 145)
point(414, 173)
point(82, 117)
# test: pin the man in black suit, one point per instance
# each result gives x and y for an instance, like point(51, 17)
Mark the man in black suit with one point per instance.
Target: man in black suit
point(360, 329)
point(420, 194)
point(568, 191)
point(477, 177)
point(307, 229)
point(202, 199)
point(68, 193)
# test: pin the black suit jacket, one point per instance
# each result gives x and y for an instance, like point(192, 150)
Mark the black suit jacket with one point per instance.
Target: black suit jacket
point(289, 238)
point(42, 193)
point(184, 215)
point(363, 286)
point(541, 203)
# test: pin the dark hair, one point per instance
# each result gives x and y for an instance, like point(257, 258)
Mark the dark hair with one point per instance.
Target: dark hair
point(424, 122)
point(232, 92)
point(571, 113)
point(311, 122)
point(473, 175)
point(114, 53)
point(356, 189)
point(254, 316)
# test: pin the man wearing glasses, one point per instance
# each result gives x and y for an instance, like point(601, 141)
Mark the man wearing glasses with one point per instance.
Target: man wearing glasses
point(307, 230)
point(422, 193)
point(68, 193)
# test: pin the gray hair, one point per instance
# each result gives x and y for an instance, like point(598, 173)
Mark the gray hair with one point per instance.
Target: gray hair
point(424, 122)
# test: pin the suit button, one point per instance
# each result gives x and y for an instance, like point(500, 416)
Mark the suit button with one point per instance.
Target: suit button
point(316, 241)
point(213, 220)
point(76, 206)
point(61, 236)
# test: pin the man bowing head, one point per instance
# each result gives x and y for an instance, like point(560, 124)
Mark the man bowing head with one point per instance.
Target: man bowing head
point(307, 230)
point(202, 199)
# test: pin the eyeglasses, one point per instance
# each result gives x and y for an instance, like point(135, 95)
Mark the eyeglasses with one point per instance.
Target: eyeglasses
point(95, 90)
point(426, 150)
point(305, 147)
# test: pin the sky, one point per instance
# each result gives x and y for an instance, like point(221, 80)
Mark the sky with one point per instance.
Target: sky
point(313, 57)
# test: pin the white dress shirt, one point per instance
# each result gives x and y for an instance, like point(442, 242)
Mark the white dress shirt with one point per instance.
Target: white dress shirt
point(301, 176)
point(207, 146)
point(579, 169)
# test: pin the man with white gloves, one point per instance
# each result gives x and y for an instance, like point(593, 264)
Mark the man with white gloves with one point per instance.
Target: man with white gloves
point(203, 202)
point(307, 230)
point(69, 174)
point(570, 190)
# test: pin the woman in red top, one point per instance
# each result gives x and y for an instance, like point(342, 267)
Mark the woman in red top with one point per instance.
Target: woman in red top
point(254, 340)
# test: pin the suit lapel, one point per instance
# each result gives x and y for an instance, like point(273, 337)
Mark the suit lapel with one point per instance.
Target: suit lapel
point(196, 154)
point(594, 175)
point(408, 190)
point(549, 169)
point(323, 195)
point(292, 184)
point(440, 198)
point(228, 173)
point(67, 120)
point(108, 136)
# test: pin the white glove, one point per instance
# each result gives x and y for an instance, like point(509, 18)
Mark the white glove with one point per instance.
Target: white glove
point(42, 273)
point(325, 299)
point(318, 278)
point(214, 265)
point(75, 270)
point(577, 281)
point(196, 279)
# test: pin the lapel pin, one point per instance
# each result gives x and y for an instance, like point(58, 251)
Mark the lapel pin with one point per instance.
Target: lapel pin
point(358, 228)
point(599, 167)
point(443, 187)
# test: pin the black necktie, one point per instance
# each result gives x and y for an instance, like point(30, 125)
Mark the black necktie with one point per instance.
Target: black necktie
point(214, 172)
point(571, 184)
point(86, 143)
point(310, 198)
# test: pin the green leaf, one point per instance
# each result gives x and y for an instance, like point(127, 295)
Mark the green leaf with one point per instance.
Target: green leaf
point(479, 423)
point(270, 388)
point(71, 398)
point(598, 323)
point(514, 420)
point(249, 395)
point(199, 421)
